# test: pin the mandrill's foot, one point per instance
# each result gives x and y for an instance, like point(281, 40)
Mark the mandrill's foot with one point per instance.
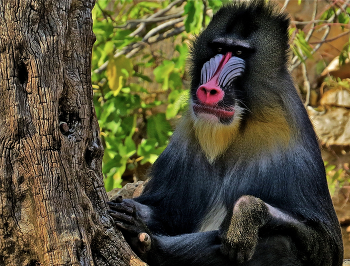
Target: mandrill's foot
point(240, 231)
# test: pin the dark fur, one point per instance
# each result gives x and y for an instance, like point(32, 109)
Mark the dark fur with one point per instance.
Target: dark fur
point(289, 175)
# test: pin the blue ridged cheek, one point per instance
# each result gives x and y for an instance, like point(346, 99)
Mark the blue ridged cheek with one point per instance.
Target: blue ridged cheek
point(231, 70)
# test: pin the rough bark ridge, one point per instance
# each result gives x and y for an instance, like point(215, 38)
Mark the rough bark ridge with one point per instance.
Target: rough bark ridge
point(52, 198)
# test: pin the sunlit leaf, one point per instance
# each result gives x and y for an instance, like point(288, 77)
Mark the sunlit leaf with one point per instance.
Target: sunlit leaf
point(194, 12)
point(183, 55)
point(301, 47)
point(179, 101)
point(344, 54)
point(216, 4)
point(162, 73)
point(118, 70)
point(158, 128)
point(149, 150)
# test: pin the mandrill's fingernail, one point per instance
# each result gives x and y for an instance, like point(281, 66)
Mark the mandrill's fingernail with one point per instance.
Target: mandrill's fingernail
point(119, 199)
point(144, 237)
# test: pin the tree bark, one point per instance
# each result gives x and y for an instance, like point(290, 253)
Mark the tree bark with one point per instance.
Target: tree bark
point(52, 198)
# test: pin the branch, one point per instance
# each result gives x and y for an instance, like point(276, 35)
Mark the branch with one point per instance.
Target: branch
point(155, 39)
point(308, 22)
point(155, 15)
point(161, 27)
point(332, 39)
point(133, 48)
point(306, 85)
point(295, 61)
point(311, 31)
point(205, 5)
point(285, 5)
point(163, 11)
point(150, 20)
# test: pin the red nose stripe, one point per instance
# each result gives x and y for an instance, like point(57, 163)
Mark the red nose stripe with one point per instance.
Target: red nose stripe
point(223, 62)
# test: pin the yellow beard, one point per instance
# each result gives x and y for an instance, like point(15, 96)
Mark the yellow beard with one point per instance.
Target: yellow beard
point(214, 137)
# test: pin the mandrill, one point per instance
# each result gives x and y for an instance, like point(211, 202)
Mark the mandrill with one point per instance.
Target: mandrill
point(242, 180)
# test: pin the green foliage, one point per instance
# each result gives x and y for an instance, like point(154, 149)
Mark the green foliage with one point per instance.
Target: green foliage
point(135, 121)
point(216, 4)
point(118, 70)
point(345, 53)
point(327, 14)
point(300, 46)
point(138, 93)
point(162, 73)
point(335, 178)
point(194, 12)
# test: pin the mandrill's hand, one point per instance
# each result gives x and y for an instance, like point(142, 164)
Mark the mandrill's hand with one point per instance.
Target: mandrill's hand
point(239, 233)
point(135, 232)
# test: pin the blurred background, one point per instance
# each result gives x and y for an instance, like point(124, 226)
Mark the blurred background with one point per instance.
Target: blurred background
point(140, 77)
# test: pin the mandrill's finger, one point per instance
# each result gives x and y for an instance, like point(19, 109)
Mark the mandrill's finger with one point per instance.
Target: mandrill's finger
point(117, 216)
point(119, 207)
point(145, 241)
point(118, 199)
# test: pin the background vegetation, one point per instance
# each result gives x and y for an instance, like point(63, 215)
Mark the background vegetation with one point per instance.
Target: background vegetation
point(139, 73)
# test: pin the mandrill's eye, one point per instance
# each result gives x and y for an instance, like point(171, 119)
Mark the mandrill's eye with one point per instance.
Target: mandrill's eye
point(219, 49)
point(238, 52)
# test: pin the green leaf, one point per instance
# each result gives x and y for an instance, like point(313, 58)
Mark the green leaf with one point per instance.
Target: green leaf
point(194, 11)
point(130, 147)
point(301, 47)
point(180, 62)
point(149, 4)
point(158, 128)
point(140, 75)
point(343, 18)
point(102, 29)
point(179, 101)
point(216, 4)
point(118, 70)
point(344, 54)
point(149, 150)
point(112, 126)
point(175, 81)
point(108, 108)
point(162, 73)
point(110, 164)
point(327, 14)
point(109, 48)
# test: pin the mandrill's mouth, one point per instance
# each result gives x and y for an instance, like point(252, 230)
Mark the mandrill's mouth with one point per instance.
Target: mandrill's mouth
point(216, 111)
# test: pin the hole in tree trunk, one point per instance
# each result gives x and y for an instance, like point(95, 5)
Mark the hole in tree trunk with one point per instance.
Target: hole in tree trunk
point(33, 263)
point(22, 73)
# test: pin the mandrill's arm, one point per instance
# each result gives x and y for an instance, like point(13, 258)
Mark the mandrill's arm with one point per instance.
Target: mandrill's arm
point(202, 248)
point(248, 232)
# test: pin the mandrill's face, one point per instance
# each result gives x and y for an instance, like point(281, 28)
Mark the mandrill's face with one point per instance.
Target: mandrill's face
point(214, 99)
point(234, 60)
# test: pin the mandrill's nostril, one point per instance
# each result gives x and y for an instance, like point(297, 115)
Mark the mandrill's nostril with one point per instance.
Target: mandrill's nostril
point(211, 91)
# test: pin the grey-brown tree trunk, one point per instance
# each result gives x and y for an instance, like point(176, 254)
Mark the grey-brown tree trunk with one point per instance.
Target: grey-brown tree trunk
point(52, 198)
